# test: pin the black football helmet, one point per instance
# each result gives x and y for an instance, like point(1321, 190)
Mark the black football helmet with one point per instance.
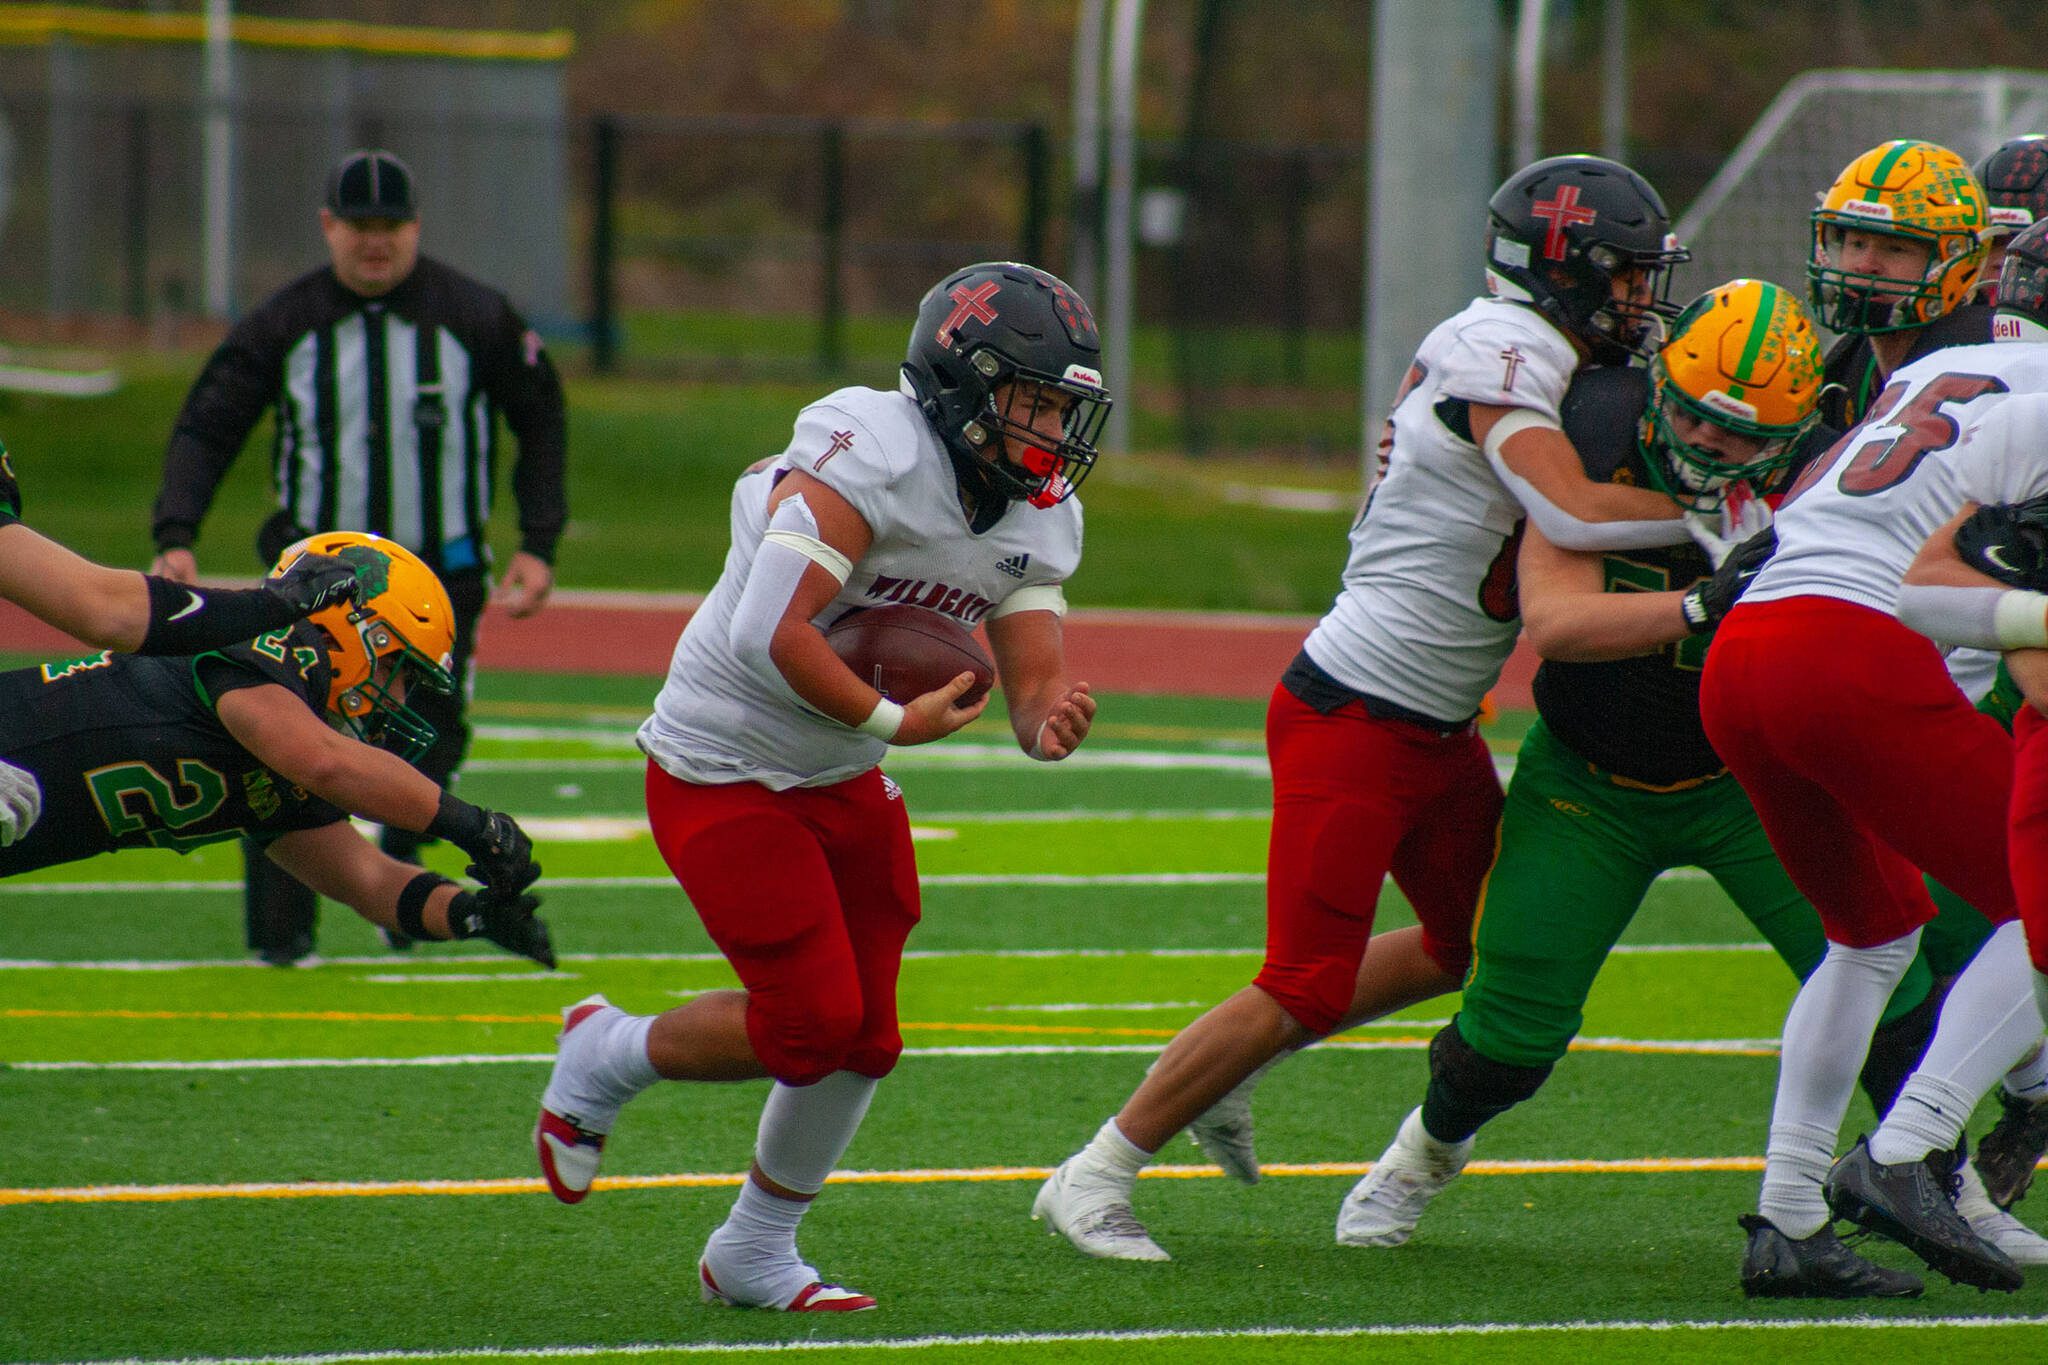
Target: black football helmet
point(1560, 230)
point(2023, 287)
point(2015, 180)
point(989, 325)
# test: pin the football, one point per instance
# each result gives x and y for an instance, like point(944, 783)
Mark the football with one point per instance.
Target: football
point(904, 652)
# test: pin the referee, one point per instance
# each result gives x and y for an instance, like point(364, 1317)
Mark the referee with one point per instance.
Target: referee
point(388, 371)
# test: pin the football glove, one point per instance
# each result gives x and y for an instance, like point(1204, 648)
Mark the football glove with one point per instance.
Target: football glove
point(504, 856)
point(21, 803)
point(315, 582)
point(2008, 542)
point(1713, 597)
point(506, 919)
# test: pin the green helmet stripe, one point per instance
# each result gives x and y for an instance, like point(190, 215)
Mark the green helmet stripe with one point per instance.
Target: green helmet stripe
point(1884, 167)
point(1767, 309)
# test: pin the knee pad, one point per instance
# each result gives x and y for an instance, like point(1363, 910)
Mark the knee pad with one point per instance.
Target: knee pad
point(801, 1046)
point(1468, 1089)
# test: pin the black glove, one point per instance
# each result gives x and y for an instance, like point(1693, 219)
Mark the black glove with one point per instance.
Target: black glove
point(1712, 598)
point(506, 919)
point(2008, 542)
point(501, 854)
point(315, 582)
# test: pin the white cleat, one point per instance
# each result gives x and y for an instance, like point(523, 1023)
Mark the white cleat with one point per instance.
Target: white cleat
point(1094, 1213)
point(1383, 1208)
point(2018, 1241)
point(574, 1117)
point(816, 1297)
point(1224, 1132)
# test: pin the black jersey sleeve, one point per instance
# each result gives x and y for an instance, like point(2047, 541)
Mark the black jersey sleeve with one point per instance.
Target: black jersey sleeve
point(288, 658)
point(520, 378)
point(241, 380)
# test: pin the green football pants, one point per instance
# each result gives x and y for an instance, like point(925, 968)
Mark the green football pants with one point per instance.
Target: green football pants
point(1578, 852)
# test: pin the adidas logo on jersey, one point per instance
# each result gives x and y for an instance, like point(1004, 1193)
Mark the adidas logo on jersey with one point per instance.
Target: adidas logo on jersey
point(1014, 566)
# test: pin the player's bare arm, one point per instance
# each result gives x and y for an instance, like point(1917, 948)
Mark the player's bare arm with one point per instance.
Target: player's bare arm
point(1050, 713)
point(1945, 614)
point(102, 606)
point(291, 741)
point(342, 865)
point(1569, 617)
point(1543, 456)
point(797, 647)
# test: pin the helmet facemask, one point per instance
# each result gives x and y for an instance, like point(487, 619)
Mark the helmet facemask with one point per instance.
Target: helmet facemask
point(1898, 192)
point(374, 710)
point(1010, 442)
point(2023, 288)
point(1697, 476)
point(1869, 304)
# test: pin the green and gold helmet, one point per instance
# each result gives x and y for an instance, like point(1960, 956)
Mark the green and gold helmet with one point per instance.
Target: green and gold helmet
point(1909, 191)
point(1745, 358)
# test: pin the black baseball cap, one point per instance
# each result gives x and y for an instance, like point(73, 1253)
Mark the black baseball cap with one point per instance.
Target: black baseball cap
point(371, 183)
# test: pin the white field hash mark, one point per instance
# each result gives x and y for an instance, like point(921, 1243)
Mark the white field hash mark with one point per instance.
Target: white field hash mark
point(1624, 1326)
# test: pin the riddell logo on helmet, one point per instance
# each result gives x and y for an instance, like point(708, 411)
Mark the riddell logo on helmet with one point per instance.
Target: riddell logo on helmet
point(1081, 374)
point(1729, 406)
point(1865, 208)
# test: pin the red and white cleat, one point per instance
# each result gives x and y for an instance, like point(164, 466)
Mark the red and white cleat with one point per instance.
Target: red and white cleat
point(569, 1138)
point(816, 1297)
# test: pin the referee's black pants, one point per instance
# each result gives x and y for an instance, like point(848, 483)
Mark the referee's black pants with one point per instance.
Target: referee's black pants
point(278, 910)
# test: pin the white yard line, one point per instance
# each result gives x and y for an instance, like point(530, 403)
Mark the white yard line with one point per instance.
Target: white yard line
point(1361, 1331)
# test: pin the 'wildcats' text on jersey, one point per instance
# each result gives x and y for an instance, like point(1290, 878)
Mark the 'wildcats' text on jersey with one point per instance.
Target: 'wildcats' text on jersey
point(1937, 437)
point(718, 720)
point(1428, 613)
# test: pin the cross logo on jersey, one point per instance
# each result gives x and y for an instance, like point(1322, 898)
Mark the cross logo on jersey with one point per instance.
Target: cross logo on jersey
point(968, 303)
point(841, 441)
point(1561, 213)
point(1515, 360)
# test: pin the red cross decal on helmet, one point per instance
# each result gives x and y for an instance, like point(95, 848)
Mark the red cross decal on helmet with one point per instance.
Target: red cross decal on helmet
point(1562, 212)
point(968, 303)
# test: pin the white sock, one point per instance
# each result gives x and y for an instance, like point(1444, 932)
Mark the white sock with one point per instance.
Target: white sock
point(1827, 1036)
point(753, 1253)
point(623, 1065)
point(1988, 1020)
point(805, 1129)
point(1111, 1154)
point(2029, 1080)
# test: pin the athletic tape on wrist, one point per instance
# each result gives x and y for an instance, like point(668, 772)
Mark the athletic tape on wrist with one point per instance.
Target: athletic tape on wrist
point(2021, 620)
point(884, 721)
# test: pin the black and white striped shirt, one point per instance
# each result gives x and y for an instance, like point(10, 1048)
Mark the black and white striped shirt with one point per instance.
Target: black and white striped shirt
point(386, 415)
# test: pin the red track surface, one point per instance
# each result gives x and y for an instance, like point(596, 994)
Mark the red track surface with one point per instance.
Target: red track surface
point(1207, 654)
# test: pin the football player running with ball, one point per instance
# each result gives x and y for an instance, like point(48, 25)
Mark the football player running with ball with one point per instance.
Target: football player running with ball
point(954, 492)
point(1377, 763)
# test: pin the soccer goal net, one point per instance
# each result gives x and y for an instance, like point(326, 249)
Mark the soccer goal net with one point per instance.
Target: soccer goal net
point(1751, 219)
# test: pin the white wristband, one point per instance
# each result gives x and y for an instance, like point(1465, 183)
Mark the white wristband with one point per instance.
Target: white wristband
point(2021, 620)
point(883, 722)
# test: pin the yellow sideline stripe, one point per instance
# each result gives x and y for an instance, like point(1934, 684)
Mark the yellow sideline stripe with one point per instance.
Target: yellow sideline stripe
point(1640, 1046)
point(40, 23)
point(372, 1189)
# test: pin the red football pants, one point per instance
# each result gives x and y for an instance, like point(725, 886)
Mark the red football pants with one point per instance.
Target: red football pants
point(1353, 799)
point(2029, 829)
point(1864, 762)
point(810, 894)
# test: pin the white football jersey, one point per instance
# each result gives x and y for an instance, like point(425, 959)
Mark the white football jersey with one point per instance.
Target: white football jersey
point(717, 720)
point(1937, 437)
point(1428, 612)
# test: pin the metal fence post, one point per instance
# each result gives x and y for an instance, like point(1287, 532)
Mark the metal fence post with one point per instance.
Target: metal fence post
point(604, 328)
point(832, 228)
point(1031, 235)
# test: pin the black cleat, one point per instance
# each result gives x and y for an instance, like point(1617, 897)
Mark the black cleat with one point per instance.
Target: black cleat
point(1913, 1203)
point(2008, 1154)
point(1775, 1266)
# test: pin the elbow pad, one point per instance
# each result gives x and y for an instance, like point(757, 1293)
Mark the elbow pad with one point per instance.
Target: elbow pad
point(788, 548)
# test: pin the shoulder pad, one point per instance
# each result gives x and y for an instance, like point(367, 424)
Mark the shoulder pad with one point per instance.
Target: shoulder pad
point(1602, 411)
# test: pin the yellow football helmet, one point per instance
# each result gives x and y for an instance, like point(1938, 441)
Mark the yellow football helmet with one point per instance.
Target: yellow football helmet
point(403, 628)
point(1916, 191)
point(1746, 358)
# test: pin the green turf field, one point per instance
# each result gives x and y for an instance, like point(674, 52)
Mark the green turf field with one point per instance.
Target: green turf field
point(208, 1160)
